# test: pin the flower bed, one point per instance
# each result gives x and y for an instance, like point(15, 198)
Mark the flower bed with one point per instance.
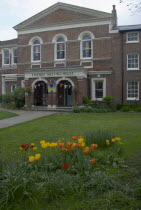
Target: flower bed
point(74, 155)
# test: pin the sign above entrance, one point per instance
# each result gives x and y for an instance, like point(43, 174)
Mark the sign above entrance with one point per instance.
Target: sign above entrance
point(55, 73)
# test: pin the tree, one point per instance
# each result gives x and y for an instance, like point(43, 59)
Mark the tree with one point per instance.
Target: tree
point(133, 5)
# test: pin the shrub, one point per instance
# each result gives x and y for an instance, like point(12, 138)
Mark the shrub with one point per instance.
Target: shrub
point(98, 137)
point(119, 106)
point(7, 98)
point(87, 109)
point(126, 108)
point(108, 100)
point(19, 97)
point(0, 98)
point(87, 101)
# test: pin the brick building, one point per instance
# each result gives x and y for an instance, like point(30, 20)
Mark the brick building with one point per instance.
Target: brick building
point(66, 52)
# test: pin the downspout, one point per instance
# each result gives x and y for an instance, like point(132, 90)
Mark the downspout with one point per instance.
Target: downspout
point(122, 63)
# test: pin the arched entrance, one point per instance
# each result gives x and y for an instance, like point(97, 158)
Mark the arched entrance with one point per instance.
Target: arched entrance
point(40, 93)
point(64, 89)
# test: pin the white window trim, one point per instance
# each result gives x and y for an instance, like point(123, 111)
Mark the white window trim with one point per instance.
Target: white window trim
point(12, 57)
point(31, 44)
point(130, 69)
point(133, 99)
point(55, 46)
point(93, 88)
point(81, 41)
point(137, 41)
point(32, 60)
point(3, 64)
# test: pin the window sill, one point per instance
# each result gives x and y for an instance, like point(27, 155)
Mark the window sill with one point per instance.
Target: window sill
point(87, 58)
point(133, 69)
point(132, 42)
point(132, 99)
point(36, 61)
point(57, 60)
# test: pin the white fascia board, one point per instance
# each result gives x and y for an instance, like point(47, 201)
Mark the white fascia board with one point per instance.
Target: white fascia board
point(79, 25)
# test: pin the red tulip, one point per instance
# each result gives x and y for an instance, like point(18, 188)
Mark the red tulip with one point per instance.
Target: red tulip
point(65, 165)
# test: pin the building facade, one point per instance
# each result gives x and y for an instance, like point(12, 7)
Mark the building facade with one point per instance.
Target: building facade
point(67, 52)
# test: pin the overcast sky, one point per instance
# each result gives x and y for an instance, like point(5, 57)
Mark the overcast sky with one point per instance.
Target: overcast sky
point(12, 12)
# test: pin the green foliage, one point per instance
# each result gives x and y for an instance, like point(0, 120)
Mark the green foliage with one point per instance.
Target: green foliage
point(7, 98)
point(119, 106)
point(28, 90)
point(100, 181)
point(19, 97)
point(87, 101)
point(108, 100)
point(0, 98)
point(129, 107)
point(90, 109)
point(98, 137)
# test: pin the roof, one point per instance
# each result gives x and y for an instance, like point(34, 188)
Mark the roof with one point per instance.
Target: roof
point(59, 5)
point(129, 28)
point(9, 42)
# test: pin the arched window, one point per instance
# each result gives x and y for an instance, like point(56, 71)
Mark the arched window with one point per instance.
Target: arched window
point(60, 49)
point(36, 51)
point(86, 46)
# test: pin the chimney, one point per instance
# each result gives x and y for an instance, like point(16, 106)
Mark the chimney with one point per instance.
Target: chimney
point(114, 17)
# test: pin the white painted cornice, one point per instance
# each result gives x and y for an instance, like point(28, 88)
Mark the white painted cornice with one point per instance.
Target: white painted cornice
point(63, 26)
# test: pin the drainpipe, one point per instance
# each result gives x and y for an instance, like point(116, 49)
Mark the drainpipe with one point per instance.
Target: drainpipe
point(122, 63)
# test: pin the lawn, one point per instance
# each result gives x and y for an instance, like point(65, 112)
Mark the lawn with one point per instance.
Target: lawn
point(105, 187)
point(125, 125)
point(4, 115)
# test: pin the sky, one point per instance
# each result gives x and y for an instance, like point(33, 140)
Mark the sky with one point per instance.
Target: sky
point(12, 12)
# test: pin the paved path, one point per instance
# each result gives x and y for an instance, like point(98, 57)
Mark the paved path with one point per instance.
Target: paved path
point(23, 116)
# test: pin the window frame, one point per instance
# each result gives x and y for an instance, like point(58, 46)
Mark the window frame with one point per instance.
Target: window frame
point(55, 53)
point(134, 41)
point(81, 46)
point(12, 57)
point(31, 44)
point(93, 83)
point(132, 98)
point(130, 69)
point(3, 57)
point(32, 51)
point(14, 85)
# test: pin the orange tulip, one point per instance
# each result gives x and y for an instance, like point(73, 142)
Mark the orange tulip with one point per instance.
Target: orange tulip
point(94, 146)
point(93, 160)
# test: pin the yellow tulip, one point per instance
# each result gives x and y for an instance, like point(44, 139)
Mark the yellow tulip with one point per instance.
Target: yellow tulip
point(107, 141)
point(37, 156)
point(34, 148)
point(42, 142)
point(83, 144)
point(32, 144)
point(81, 140)
point(44, 145)
point(31, 159)
point(21, 148)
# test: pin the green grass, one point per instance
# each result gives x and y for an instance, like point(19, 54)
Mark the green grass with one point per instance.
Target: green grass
point(124, 125)
point(4, 115)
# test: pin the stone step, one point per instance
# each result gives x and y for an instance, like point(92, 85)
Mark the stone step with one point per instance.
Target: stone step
point(57, 109)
